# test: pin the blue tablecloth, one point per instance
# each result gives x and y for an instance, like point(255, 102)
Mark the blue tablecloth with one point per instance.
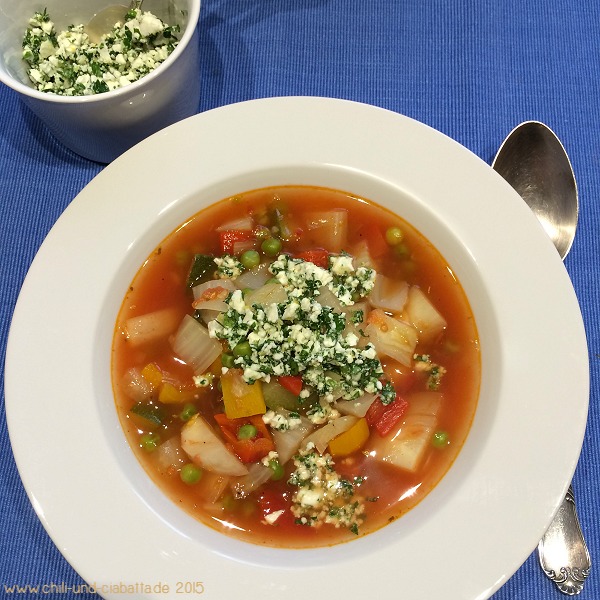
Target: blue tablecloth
point(472, 70)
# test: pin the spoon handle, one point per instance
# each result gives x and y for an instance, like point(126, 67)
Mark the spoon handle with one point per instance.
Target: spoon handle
point(563, 553)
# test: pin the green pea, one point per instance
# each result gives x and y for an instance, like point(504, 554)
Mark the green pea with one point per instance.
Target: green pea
point(271, 246)
point(401, 250)
point(150, 442)
point(250, 259)
point(229, 503)
point(394, 236)
point(277, 468)
point(246, 432)
point(440, 439)
point(227, 360)
point(190, 473)
point(188, 411)
point(242, 349)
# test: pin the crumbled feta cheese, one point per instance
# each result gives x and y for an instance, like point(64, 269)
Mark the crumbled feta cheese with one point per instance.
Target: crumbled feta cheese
point(281, 422)
point(322, 412)
point(341, 265)
point(228, 267)
point(322, 495)
point(236, 301)
point(69, 64)
point(203, 380)
point(273, 455)
point(300, 335)
point(272, 517)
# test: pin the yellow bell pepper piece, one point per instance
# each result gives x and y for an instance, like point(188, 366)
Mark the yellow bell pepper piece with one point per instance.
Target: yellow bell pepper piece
point(169, 394)
point(240, 398)
point(152, 374)
point(351, 440)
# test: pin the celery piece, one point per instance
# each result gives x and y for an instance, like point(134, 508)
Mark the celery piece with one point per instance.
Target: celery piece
point(276, 396)
point(202, 269)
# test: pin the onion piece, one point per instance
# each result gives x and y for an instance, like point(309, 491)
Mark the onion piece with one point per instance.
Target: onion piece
point(389, 294)
point(321, 437)
point(392, 337)
point(287, 442)
point(240, 246)
point(211, 308)
point(327, 298)
point(151, 327)
point(271, 293)
point(257, 475)
point(358, 407)
point(213, 284)
point(254, 278)
point(241, 224)
point(170, 455)
point(193, 345)
point(135, 385)
point(211, 488)
point(206, 449)
point(215, 306)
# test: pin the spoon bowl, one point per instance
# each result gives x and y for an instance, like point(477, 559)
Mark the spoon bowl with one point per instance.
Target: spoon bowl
point(534, 162)
point(104, 20)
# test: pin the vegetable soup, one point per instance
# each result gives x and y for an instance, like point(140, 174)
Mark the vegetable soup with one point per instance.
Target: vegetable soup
point(295, 366)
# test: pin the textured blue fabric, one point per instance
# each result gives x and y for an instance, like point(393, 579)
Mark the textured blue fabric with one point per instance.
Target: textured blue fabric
point(471, 69)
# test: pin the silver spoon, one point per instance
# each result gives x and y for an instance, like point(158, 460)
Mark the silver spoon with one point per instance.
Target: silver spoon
point(534, 162)
point(104, 20)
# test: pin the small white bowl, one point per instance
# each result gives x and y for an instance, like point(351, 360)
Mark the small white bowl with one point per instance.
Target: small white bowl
point(103, 126)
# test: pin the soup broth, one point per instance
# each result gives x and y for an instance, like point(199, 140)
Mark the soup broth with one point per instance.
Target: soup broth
point(295, 366)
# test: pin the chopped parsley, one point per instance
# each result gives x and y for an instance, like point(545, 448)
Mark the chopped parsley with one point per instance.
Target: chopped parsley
point(69, 64)
point(228, 267)
point(301, 336)
point(435, 372)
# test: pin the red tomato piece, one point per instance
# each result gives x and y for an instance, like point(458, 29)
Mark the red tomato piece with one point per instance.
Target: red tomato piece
point(318, 257)
point(292, 383)
point(229, 237)
point(273, 501)
point(383, 417)
point(248, 450)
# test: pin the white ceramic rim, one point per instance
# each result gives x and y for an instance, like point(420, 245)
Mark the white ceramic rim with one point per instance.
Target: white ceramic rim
point(26, 90)
point(477, 526)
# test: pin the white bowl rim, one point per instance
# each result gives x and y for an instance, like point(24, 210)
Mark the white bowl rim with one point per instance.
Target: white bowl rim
point(329, 141)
